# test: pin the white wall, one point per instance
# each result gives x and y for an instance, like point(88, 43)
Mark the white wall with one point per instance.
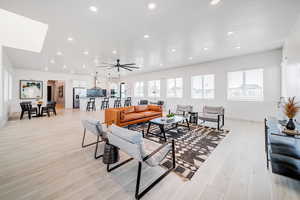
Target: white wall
point(256, 111)
point(21, 74)
point(5, 65)
point(291, 65)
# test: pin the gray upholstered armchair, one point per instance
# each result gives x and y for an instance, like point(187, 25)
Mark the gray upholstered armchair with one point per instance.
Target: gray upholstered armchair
point(213, 114)
point(183, 110)
point(95, 127)
point(132, 143)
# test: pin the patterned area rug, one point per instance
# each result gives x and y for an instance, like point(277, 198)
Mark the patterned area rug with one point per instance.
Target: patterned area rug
point(192, 147)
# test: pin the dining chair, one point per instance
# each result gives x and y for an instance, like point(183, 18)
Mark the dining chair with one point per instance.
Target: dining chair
point(26, 106)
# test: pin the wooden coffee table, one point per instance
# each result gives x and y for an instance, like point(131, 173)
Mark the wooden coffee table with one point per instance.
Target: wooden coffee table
point(162, 123)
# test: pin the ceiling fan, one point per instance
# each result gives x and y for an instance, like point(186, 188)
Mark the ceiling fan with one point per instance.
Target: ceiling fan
point(118, 66)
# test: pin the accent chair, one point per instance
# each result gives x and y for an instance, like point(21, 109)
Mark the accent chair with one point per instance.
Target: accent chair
point(213, 114)
point(132, 143)
point(94, 127)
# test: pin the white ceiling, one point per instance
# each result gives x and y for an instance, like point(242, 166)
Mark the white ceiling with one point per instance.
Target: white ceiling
point(188, 26)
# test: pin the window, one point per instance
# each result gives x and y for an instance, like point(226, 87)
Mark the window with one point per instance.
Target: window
point(174, 88)
point(10, 86)
point(203, 87)
point(6, 86)
point(139, 89)
point(246, 85)
point(154, 88)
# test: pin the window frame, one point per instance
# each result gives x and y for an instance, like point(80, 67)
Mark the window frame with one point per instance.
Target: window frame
point(202, 76)
point(140, 93)
point(157, 89)
point(175, 80)
point(257, 99)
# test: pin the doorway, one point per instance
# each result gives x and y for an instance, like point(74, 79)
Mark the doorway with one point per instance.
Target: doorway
point(49, 93)
point(56, 92)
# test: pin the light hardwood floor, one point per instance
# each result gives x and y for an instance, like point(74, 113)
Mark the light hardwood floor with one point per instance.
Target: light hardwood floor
point(42, 159)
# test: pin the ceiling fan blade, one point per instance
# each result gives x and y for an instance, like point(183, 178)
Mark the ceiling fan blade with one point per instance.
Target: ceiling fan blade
point(129, 64)
point(126, 68)
point(133, 67)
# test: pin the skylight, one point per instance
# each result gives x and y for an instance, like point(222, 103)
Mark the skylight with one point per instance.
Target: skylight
point(21, 32)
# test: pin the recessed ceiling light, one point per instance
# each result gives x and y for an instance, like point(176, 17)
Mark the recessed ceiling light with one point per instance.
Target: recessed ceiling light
point(46, 68)
point(114, 51)
point(96, 61)
point(214, 2)
point(173, 50)
point(237, 47)
point(70, 39)
point(160, 64)
point(146, 36)
point(92, 74)
point(93, 9)
point(83, 66)
point(59, 53)
point(65, 66)
point(151, 6)
point(86, 53)
point(52, 61)
point(205, 48)
point(229, 33)
point(190, 58)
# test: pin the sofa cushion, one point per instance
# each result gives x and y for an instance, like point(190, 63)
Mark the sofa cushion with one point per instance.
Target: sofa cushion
point(140, 108)
point(150, 113)
point(208, 117)
point(154, 108)
point(126, 111)
point(131, 117)
point(129, 110)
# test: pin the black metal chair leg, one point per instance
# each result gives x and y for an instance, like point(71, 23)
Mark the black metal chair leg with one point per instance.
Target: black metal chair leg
point(140, 195)
point(22, 113)
point(188, 125)
point(118, 165)
point(137, 187)
point(96, 143)
point(29, 114)
point(96, 149)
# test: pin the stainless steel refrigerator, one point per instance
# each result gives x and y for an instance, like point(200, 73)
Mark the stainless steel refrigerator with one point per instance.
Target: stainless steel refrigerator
point(78, 93)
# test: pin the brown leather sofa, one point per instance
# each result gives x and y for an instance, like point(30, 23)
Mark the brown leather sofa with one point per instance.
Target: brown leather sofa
point(132, 114)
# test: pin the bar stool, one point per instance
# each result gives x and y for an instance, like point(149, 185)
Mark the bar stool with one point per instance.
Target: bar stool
point(105, 103)
point(91, 105)
point(117, 103)
point(127, 102)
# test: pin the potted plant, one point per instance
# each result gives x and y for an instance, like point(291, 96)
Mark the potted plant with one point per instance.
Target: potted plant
point(170, 117)
point(291, 108)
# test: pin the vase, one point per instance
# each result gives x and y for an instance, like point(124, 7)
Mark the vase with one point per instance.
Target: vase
point(290, 125)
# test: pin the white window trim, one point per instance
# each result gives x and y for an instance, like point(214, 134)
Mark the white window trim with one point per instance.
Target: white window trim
point(139, 93)
point(202, 80)
point(150, 95)
point(245, 99)
point(175, 97)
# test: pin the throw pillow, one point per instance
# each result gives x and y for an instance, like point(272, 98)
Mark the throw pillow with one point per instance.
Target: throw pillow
point(141, 108)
